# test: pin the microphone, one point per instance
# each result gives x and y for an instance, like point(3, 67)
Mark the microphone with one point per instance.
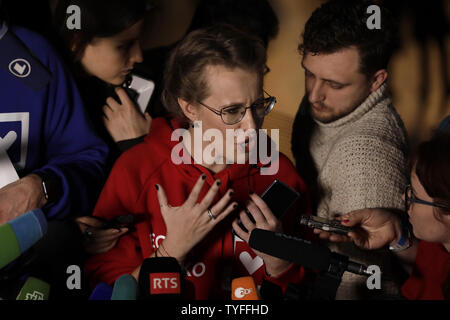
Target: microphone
point(125, 288)
point(101, 292)
point(270, 291)
point(160, 279)
point(18, 235)
point(34, 289)
point(302, 252)
point(244, 288)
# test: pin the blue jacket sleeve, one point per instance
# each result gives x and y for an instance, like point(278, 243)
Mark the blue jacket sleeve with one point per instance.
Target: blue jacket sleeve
point(72, 151)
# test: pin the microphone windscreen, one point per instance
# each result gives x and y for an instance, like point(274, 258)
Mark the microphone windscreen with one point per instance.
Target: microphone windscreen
point(34, 289)
point(160, 278)
point(291, 249)
point(244, 288)
point(29, 228)
point(125, 288)
point(270, 291)
point(102, 292)
point(19, 234)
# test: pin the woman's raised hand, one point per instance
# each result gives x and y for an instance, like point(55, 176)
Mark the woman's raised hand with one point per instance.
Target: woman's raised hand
point(188, 224)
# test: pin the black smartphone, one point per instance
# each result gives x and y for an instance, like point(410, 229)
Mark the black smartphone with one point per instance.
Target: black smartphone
point(323, 224)
point(279, 197)
point(124, 221)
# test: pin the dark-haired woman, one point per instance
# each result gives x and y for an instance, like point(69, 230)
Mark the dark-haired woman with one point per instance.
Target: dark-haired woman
point(102, 54)
point(425, 252)
point(213, 83)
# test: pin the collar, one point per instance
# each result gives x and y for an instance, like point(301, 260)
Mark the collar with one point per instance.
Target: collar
point(371, 101)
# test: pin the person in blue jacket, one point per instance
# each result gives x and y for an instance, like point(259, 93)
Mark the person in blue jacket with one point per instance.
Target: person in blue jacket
point(46, 136)
point(41, 108)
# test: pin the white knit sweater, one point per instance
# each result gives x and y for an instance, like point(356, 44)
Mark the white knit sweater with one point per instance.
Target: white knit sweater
point(361, 162)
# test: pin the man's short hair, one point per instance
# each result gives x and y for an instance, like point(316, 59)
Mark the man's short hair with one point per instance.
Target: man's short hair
point(340, 24)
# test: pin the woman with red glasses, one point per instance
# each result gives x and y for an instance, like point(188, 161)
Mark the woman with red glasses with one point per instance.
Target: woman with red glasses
point(424, 252)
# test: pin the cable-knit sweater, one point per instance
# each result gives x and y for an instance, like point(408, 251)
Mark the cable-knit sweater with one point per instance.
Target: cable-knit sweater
point(361, 163)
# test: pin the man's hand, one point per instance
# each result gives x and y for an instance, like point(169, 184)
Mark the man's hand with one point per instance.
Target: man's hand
point(20, 197)
point(123, 121)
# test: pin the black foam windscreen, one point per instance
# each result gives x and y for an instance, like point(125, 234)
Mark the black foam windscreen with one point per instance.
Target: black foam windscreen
point(292, 249)
point(160, 279)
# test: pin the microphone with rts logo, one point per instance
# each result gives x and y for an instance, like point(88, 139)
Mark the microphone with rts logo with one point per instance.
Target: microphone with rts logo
point(160, 279)
point(244, 288)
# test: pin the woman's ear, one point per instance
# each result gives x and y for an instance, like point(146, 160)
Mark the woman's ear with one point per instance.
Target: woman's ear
point(378, 79)
point(75, 43)
point(189, 110)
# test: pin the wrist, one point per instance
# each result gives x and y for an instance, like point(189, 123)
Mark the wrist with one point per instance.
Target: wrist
point(49, 185)
point(36, 183)
point(275, 269)
point(403, 238)
point(165, 250)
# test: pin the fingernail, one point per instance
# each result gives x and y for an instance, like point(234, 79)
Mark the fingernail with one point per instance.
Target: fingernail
point(231, 193)
point(219, 183)
point(252, 193)
point(345, 221)
point(235, 206)
point(204, 177)
point(157, 187)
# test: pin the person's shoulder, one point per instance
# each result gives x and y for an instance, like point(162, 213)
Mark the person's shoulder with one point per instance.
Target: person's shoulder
point(382, 129)
point(288, 173)
point(382, 122)
point(35, 42)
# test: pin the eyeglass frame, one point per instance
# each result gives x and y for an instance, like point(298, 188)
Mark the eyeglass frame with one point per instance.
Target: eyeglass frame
point(414, 199)
point(219, 113)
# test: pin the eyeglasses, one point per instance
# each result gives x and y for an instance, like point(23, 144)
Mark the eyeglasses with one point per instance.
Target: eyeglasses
point(411, 198)
point(234, 114)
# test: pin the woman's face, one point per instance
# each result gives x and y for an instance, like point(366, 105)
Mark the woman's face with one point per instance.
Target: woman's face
point(423, 219)
point(229, 88)
point(111, 59)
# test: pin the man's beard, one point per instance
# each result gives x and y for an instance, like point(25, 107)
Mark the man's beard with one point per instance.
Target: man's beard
point(326, 115)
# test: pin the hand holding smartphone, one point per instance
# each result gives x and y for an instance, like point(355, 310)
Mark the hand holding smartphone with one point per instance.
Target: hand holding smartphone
point(124, 221)
point(279, 197)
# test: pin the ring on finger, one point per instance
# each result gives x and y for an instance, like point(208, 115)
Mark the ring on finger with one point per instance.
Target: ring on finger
point(210, 214)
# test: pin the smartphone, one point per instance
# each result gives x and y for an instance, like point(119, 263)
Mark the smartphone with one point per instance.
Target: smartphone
point(124, 221)
point(279, 197)
point(323, 224)
point(138, 89)
point(141, 90)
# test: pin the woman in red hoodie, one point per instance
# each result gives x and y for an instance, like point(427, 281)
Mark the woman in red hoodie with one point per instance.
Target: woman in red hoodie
point(193, 195)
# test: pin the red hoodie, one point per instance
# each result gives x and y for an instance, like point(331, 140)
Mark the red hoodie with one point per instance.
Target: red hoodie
point(220, 256)
point(430, 274)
